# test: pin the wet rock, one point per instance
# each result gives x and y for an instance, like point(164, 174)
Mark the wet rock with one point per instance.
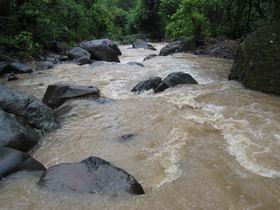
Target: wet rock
point(104, 100)
point(64, 58)
point(16, 133)
point(54, 58)
point(257, 64)
point(102, 49)
point(178, 46)
point(12, 161)
point(24, 105)
point(92, 175)
point(150, 57)
point(3, 68)
point(77, 53)
point(11, 77)
point(83, 60)
point(174, 79)
point(135, 63)
point(57, 94)
point(138, 43)
point(126, 138)
point(18, 68)
point(149, 84)
point(45, 65)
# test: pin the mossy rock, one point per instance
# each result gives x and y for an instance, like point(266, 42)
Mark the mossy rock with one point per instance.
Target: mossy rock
point(257, 64)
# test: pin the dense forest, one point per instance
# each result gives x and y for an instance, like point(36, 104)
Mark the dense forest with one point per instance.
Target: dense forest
point(31, 26)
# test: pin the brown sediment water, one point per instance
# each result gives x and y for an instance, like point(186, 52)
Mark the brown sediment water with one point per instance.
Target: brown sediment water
point(214, 145)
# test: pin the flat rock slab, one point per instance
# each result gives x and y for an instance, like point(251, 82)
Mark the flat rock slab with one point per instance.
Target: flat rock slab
point(57, 94)
point(12, 161)
point(92, 175)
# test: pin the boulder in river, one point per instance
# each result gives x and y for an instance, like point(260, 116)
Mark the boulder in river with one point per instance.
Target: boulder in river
point(174, 79)
point(12, 161)
point(83, 60)
point(178, 46)
point(11, 77)
point(77, 53)
point(17, 68)
point(138, 43)
point(23, 105)
point(149, 84)
point(44, 65)
point(3, 67)
point(257, 64)
point(135, 63)
point(16, 133)
point(92, 175)
point(102, 49)
point(57, 94)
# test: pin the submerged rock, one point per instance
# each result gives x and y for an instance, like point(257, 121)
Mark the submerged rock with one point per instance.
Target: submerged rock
point(257, 64)
point(149, 84)
point(150, 57)
point(57, 94)
point(11, 77)
point(102, 49)
point(92, 175)
point(174, 79)
point(135, 63)
point(126, 137)
point(12, 161)
point(26, 106)
point(178, 46)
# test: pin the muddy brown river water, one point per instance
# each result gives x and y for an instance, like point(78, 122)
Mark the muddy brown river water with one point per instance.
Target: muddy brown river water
point(214, 145)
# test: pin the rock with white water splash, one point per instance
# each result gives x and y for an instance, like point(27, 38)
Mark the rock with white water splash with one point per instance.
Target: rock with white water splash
point(12, 161)
point(92, 175)
point(173, 79)
point(57, 94)
point(149, 84)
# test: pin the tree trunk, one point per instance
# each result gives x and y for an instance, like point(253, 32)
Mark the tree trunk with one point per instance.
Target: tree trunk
point(277, 9)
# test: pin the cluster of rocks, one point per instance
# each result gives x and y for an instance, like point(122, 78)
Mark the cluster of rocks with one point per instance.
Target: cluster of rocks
point(159, 85)
point(86, 53)
point(24, 120)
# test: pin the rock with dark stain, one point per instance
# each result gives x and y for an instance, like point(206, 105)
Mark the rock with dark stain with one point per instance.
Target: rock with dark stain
point(57, 94)
point(12, 161)
point(146, 85)
point(92, 175)
point(174, 79)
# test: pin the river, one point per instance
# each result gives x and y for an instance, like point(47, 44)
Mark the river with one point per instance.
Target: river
point(214, 145)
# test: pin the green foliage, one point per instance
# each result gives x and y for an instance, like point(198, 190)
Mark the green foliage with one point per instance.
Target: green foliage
point(24, 44)
point(187, 22)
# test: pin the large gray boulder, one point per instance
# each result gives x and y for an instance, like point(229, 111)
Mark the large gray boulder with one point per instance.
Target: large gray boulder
point(57, 94)
point(27, 107)
point(12, 161)
point(92, 175)
point(102, 49)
